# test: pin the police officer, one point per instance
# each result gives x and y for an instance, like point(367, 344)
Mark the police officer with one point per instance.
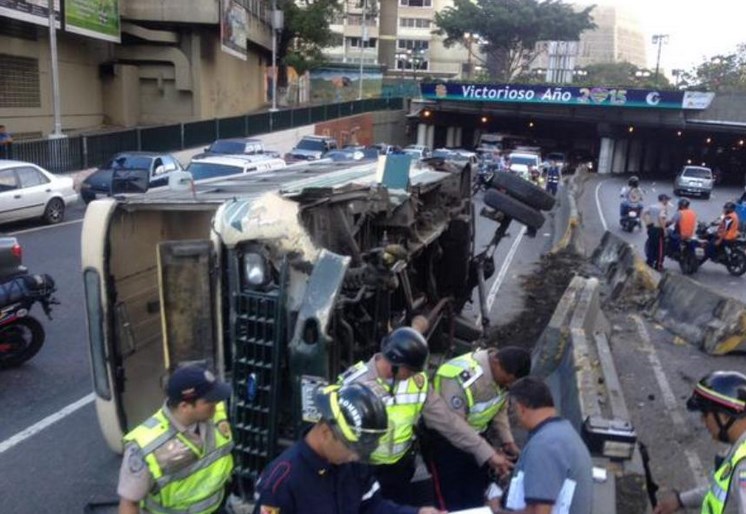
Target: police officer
point(322, 473)
point(179, 460)
point(656, 220)
point(396, 375)
point(475, 386)
point(554, 175)
point(721, 399)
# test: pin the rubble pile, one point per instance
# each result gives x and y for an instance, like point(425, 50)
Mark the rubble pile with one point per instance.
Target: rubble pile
point(543, 288)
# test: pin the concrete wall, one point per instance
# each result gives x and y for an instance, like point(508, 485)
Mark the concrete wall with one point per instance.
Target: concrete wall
point(192, 79)
point(80, 89)
point(229, 86)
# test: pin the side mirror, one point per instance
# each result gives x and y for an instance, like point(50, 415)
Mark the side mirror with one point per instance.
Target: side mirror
point(129, 181)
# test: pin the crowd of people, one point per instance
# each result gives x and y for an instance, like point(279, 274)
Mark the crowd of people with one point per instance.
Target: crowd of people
point(664, 226)
point(379, 420)
point(180, 459)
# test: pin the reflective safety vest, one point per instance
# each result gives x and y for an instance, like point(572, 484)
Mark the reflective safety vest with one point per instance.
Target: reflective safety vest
point(687, 223)
point(404, 406)
point(553, 175)
point(717, 494)
point(196, 488)
point(466, 370)
point(729, 227)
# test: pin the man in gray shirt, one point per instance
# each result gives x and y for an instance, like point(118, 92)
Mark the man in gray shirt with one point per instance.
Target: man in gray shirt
point(554, 473)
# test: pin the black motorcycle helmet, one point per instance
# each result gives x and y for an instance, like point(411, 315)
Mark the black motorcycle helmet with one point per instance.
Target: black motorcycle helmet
point(633, 181)
point(683, 203)
point(405, 347)
point(723, 392)
point(729, 207)
point(356, 415)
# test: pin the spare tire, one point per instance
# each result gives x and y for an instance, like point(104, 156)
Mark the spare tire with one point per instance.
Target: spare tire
point(513, 208)
point(523, 190)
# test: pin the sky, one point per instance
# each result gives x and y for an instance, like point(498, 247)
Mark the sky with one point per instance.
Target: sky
point(696, 29)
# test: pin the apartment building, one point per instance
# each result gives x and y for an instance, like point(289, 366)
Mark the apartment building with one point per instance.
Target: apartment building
point(398, 35)
point(618, 37)
point(142, 62)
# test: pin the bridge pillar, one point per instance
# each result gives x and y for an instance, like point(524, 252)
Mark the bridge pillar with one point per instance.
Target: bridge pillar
point(651, 161)
point(605, 155)
point(619, 162)
point(457, 138)
point(421, 134)
point(430, 139)
point(450, 136)
point(634, 156)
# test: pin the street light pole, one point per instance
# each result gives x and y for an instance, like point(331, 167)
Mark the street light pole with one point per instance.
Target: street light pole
point(274, 55)
point(659, 39)
point(363, 40)
point(468, 36)
point(57, 133)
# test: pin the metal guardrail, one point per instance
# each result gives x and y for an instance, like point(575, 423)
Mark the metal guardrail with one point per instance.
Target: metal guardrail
point(87, 151)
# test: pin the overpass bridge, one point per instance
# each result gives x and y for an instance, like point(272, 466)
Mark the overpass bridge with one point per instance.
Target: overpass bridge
point(647, 132)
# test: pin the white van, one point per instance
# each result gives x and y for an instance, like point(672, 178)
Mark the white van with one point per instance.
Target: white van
point(203, 168)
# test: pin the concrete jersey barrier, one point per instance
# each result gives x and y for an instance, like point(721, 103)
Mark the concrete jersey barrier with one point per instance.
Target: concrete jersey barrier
point(572, 355)
point(705, 318)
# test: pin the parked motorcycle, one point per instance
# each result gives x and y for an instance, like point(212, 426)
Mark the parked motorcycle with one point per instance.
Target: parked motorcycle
point(631, 218)
point(692, 253)
point(22, 335)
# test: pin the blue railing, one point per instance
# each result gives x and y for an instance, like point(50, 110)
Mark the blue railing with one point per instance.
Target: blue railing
point(87, 151)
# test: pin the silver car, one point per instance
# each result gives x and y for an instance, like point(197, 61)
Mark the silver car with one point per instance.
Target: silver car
point(29, 191)
point(694, 180)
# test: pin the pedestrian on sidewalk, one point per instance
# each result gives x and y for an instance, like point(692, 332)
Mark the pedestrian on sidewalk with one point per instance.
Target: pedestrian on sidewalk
point(656, 218)
point(6, 139)
point(720, 397)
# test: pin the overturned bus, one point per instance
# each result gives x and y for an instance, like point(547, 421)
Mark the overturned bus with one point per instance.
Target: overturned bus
point(279, 281)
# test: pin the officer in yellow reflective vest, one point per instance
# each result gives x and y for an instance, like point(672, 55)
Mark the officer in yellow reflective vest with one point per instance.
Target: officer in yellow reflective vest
point(721, 399)
point(179, 460)
point(397, 376)
point(475, 386)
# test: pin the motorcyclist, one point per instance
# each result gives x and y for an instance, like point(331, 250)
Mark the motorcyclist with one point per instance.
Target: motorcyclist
point(727, 231)
point(632, 197)
point(683, 225)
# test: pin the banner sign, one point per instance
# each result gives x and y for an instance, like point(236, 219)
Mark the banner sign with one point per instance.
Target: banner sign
point(567, 95)
point(234, 28)
point(32, 11)
point(94, 18)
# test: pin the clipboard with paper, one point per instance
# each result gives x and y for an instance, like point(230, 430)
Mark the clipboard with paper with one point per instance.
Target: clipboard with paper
point(516, 495)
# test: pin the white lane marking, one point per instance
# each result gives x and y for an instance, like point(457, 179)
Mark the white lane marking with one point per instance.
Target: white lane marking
point(45, 227)
point(669, 399)
point(598, 206)
point(502, 273)
point(44, 423)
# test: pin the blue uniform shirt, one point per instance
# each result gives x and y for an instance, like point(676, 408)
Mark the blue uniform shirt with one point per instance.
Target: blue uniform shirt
point(301, 482)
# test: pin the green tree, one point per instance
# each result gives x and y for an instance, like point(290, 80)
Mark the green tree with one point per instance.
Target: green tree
point(721, 73)
point(622, 74)
point(305, 34)
point(510, 29)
